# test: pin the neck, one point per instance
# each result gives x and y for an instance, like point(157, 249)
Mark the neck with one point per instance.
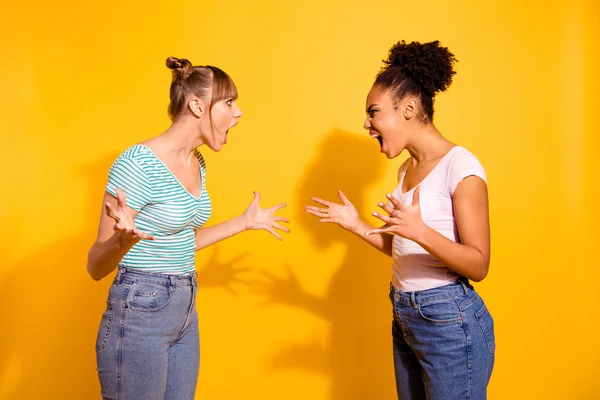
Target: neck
point(182, 137)
point(428, 144)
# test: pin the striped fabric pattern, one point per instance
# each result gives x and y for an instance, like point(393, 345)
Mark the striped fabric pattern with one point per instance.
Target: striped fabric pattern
point(165, 208)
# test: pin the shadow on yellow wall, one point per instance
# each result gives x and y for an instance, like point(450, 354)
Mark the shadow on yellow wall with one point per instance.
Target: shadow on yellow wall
point(56, 303)
point(50, 355)
point(357, 355)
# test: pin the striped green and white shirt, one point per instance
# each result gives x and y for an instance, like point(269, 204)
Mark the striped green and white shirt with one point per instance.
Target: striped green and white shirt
point(165, 208)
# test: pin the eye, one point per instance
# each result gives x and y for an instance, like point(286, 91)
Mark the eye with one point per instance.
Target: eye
point(372, 113)
point(230, 102)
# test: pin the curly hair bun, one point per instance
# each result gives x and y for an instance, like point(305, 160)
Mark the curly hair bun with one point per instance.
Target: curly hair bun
point(429, 65)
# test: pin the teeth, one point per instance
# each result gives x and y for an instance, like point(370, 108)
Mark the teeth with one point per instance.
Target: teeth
point(374, 135)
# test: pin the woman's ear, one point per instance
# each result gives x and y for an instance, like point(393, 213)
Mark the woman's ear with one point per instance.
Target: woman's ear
point(196, 106)
point(409, 108)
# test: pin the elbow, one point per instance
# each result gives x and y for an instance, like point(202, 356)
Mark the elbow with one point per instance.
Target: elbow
point(479, 277)
point(481, 272)
point(95, 277)
point(93, 273)
point(91, 270)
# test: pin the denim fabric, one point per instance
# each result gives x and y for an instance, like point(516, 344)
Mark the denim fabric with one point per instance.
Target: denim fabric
point(148, 344)
point(444, 343)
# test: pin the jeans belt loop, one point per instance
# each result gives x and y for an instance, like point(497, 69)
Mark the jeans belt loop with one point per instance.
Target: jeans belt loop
point(462, 283)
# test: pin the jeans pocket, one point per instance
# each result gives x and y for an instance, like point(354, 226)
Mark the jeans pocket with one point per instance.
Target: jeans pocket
point(147, 296)
point(486, 322)
point(105, 326)
point(440, 312)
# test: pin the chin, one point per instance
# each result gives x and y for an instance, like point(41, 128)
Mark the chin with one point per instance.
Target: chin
point(393, 154)
point(216, 147)
point(389, 154)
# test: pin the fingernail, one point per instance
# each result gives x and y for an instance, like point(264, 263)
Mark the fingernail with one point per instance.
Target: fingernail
point(367, 233)
point(375, 214)
point(380, 204)
point(389, 196)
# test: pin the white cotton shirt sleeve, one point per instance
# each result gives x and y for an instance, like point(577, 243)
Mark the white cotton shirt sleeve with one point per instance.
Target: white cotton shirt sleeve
point(461, 167)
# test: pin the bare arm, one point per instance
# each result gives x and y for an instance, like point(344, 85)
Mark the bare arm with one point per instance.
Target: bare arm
point(346, 216)
point(254, 218)
point(116, 235)
point(213, 234)
point(471, 256)
point(381, 242)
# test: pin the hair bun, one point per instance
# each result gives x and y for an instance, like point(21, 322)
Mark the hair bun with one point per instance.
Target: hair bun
point(180, 67)
point(429, 65)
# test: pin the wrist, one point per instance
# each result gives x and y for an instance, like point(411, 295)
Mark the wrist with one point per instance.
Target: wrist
point(243, 222)
point(358, 228)
point(423, 233)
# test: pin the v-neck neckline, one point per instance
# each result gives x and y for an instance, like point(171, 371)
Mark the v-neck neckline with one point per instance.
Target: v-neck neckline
point(426, 176)
point(177, 180)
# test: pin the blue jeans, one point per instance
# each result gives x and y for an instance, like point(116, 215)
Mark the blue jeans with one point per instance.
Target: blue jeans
point(443, 343)
point(148, 345)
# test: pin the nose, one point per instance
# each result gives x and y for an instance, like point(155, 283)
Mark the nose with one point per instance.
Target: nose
point(239, 113)
point(367, 124)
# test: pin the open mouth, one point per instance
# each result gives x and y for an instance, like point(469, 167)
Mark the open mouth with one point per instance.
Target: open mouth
point(377, 136)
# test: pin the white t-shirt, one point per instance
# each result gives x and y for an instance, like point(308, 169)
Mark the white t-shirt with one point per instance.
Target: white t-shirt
point(414, 268)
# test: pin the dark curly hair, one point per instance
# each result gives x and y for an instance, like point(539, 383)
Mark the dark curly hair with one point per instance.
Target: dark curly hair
point(418, 69)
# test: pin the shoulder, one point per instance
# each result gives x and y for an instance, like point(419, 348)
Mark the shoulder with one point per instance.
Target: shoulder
point(462, 158)
point(138, 154)
point(138, 158)
point(462, 164)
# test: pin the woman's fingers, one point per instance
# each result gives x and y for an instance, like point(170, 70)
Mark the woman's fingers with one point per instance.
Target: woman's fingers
point(121, 200)
point(386, 208)
point(256, 197)
point(274, 233)
point(281, 228)
point(143, 235)
point(397, 204)
point(322, 202)
point(319, 212)
point(384, 218)
point(343, 197)
point(316, 211)
point(379, 230)
point(278, 207)
point(110, 212)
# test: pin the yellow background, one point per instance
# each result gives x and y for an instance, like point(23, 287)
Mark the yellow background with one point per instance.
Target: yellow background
point(82, 81)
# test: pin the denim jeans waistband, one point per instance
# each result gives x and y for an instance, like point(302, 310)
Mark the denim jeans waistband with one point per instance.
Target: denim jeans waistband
point(135, 275)
point(458, 288)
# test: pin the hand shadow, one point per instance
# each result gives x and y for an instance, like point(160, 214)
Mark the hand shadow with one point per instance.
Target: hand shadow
point(219, 274)
point(357, 355)
point(287, 290)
